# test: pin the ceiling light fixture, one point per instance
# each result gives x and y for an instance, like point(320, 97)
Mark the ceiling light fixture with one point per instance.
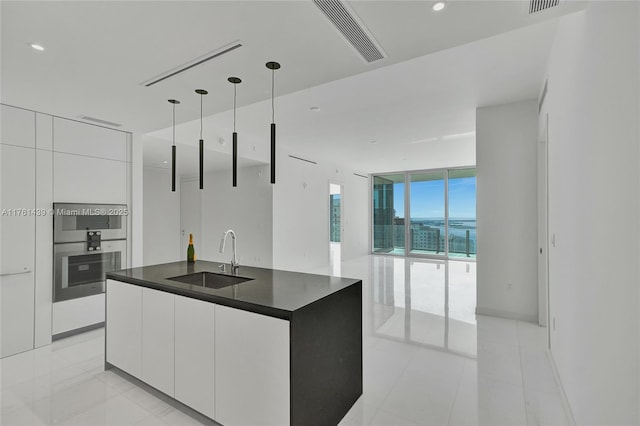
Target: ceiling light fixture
point(37, 47)
point(235, 81)
point(173, 147)
point(201, 92)
point(273, 66)
point(315, 108)
point(165, 162)
point(439, 5)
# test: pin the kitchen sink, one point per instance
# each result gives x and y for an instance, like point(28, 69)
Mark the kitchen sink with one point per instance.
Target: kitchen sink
point(210, 279)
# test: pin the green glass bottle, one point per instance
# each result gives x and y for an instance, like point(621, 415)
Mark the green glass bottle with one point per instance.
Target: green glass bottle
point(191, 252)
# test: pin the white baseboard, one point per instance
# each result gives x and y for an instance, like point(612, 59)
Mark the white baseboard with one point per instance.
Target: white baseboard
point(563, 395)
point(506, 314)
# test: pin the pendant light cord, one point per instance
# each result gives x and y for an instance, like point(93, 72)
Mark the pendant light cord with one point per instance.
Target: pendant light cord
point(234, 107)
point(273, 108)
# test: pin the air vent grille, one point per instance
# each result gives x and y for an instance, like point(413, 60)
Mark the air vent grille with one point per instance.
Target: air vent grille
point(538, 5)
point(349, 27)
point(99, 121)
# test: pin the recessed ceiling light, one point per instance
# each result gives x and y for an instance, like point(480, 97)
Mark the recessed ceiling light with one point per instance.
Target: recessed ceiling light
point(165, 162)
point(315, 108)
point(37, 47)
point(373, 142)
point(439, 5)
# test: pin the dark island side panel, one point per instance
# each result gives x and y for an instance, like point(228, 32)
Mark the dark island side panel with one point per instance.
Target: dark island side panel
point(326, 358)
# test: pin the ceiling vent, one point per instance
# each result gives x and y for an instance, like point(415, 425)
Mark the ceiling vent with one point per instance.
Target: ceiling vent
point(351, 29)
point(538, 5)
point(302, 159)
point(101, 122)
point(193, 63)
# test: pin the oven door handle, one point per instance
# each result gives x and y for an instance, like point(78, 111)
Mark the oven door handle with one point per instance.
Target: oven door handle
point(25, 271)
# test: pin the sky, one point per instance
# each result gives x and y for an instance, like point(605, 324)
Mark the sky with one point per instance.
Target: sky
point(427, 198)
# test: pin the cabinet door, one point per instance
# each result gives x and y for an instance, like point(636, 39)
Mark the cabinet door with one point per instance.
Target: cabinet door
point(85, 139)
point(124, 326)
point(17, 248)
point(158, 340)
point(17, 126)
point(78, 179)
point(251, 369)
point(16, 302)
point(44, 248)
point(195, 354)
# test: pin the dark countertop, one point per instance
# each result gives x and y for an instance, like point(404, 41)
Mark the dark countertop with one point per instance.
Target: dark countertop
point(270, 292)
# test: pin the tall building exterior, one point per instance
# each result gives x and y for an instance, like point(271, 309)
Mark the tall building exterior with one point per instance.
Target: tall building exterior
point(335, 217)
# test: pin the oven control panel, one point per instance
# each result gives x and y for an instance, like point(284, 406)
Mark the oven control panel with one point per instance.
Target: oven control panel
point(93, 240)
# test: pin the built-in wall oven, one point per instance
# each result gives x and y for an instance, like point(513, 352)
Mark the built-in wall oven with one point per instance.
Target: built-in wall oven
point(89, 241)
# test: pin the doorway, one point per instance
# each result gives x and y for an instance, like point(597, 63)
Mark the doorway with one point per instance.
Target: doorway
point(190, 217)
point(335, 228)
point(543, 229)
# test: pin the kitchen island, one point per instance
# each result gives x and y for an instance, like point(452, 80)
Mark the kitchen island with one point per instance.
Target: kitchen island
point(246, 346)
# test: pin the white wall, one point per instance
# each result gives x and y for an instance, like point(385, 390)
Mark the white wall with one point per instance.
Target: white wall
point(137, 202)
point(301, 213)
point(161, 213)
point(357, 230)
point(247, 209)
point(593, 211)
point(506, 153)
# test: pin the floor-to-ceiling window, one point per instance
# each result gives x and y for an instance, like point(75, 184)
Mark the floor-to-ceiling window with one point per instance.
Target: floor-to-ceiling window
point(388, 214)
point(462, 212)
point(427, 207)
point(429, 213)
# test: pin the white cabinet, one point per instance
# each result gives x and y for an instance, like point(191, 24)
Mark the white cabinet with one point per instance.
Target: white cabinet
point(16, 303)
point(124, 326)
point(44, 131)
point(18, 126)
point(73, 314)
point(44, 246)
point(78, 179)
point(230, 365)
point(158, 339)
point(251, 368)
point(79, 138)
point(17, 248)
point(194, 359)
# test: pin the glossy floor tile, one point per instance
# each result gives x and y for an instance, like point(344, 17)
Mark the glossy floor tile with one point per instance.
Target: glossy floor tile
point(428, 360)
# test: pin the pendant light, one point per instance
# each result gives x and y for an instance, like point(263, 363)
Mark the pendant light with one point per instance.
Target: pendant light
point(235, 81)
point(273, 66)
point(173, 147)
point(201, 92)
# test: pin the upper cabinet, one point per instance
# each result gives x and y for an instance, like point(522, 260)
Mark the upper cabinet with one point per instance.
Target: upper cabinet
point(18, 126)
point(44, 131)
point(80, 179)
point(74, 137)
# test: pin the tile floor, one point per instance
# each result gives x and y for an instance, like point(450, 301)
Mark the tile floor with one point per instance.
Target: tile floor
point(428, 360)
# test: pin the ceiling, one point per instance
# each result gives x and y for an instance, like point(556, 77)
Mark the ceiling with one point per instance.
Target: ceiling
point(99, 52)
point(412, 115)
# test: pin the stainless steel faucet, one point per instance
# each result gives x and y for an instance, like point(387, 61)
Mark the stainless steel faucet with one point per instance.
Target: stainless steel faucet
point(234, 263)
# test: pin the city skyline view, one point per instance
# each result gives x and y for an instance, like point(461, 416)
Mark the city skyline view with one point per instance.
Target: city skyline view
point(427, 199)
point(425, 230)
